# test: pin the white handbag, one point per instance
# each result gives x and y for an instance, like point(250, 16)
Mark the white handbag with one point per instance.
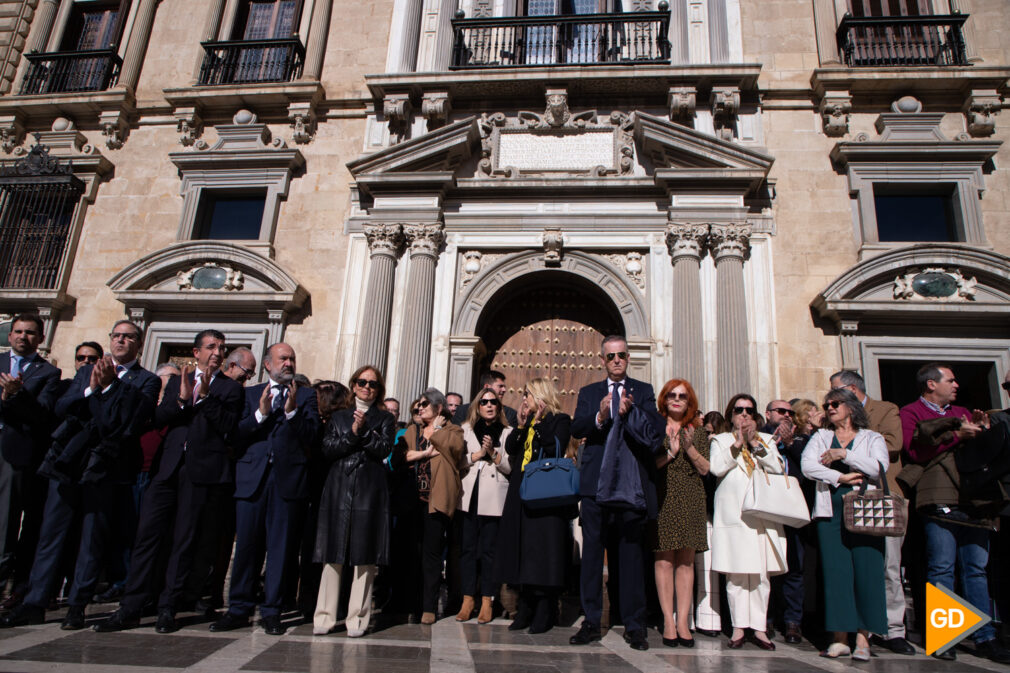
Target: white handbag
point(777, 498)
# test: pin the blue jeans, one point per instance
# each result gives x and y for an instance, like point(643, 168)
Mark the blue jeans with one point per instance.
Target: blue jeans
point(947, 543)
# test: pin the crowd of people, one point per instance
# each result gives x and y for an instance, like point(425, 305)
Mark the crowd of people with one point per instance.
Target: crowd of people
point(161, 488)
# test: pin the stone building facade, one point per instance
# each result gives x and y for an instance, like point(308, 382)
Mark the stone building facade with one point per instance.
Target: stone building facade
point(755, 193)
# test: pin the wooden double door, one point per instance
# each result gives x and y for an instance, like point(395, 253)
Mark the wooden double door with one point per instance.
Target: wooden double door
point(548, 332)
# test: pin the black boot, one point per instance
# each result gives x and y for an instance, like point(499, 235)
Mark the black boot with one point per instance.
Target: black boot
point(524, 613)
point(543, 616)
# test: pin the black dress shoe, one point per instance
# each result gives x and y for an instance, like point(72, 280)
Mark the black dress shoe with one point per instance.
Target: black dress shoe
point(638, 639)
point(899, 646)
point(672, 642)
point(272, 625)
point(119, 621)
point(74, 621)
point(993, 651)
point(23, 615)
point(166, 622)
point(793, 635)
point(110, 595)
point(586, 634)
point(229, 622)
point(685, 642)
point(711, 633)
point(524, 617)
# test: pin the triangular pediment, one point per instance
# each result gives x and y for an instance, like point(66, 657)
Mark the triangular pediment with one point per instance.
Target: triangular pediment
point(675, 146)
point(438, 151)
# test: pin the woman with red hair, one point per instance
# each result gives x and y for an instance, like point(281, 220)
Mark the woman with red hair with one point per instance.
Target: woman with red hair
point(679, 530)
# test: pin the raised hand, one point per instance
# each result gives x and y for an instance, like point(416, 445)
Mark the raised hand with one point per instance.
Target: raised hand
point(358, 423)
point(605, 407)
point(265, 401)
point(203, 389)
point(485, 445)
point(626, 402)
point(11, 385)
point(106, 369)
point(185, 387)
point(290, 403)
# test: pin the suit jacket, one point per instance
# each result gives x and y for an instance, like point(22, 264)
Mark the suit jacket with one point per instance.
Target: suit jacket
point(107, 424)
point(885, 419)
point(27, 419)
point(284, 442)
point(198, 432)
point(584, 426)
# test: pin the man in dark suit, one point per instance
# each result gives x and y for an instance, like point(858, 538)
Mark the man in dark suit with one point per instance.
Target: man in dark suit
point(30, 387)
point(200, 409)
point(602, 409)
point(279, 425)
point(92, 464)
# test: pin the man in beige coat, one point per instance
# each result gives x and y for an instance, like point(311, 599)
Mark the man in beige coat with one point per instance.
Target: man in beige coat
point(884, 419)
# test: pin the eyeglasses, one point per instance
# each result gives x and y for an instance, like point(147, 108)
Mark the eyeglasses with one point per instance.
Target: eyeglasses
point(750, 411)
point(423, 404)
point(366, 383)
point(90, 359)
point(620, 355)
point(784, 411)
point(124, 336)
point(677, 396)
point(489, 401)
point(249, 373)
point(833, 404)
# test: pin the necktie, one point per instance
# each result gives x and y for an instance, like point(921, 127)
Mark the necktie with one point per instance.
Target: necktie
point(280, 392)
point(615, 400)
point(196, 387)
point(120, 370)
point(15, 365)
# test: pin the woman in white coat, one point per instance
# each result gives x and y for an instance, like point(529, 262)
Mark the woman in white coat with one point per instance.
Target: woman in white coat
point(485, 466)
point(839, 459)
point(746, 549)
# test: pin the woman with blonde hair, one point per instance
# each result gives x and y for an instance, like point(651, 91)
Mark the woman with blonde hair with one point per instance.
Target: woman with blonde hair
point(533, 544)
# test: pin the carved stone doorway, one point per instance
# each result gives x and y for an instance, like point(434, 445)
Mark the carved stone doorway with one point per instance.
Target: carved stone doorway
point(548, 324)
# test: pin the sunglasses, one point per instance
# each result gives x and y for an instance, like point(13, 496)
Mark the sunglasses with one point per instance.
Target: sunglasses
point(366, 383)
point(750, 411)
point(91, 359)
point(784, 411)
point(1006, 386)
point(677, 396)
point(620, 355)
point(489, 402)
point(415, 411)
point(423, 404)
point(833, 404)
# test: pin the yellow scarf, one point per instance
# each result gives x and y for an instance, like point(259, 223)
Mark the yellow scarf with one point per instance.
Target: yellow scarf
point(528, 446)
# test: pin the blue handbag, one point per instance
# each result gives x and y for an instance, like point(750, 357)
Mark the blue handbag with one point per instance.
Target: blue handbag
point(550, 482)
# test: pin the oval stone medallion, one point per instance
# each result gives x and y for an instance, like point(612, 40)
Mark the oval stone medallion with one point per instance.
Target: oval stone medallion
point(934, 284)
point(209, 278)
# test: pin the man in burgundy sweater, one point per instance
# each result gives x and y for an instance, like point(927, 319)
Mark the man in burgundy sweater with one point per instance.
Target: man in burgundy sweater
point(937, 499)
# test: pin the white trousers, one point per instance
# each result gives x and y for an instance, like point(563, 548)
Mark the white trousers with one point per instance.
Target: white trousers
point(706, 589)
point(359, 606)
point(748, 600)
point(892, 587)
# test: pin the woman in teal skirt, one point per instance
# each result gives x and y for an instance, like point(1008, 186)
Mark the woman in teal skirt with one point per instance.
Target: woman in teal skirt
point(839, 459)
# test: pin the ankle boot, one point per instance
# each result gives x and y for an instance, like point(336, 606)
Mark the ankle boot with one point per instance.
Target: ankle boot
point(486, 603)
point(524, 614)
point(543, 616)
point(466, 612)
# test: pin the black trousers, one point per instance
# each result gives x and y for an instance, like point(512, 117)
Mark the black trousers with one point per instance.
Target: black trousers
point(433, 543)
point(480, 536)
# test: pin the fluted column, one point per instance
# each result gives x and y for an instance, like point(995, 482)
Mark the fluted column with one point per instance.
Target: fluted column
point(216, 12)
point(718, 32)
point(137, 46)
point(384, 244)
point(730, 244)
point(319, 29)
point(405, 36)
point(679, 48)
point(55, 35)
point(686, 242)
point(415, 339)
point(825, 25)
point(43, 25)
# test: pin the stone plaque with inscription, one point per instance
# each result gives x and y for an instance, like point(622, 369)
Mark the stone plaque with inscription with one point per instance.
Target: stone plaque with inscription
point(535, 150)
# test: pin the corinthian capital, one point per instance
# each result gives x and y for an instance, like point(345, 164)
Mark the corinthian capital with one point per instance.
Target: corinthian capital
point(730, 240)
point(686, 239)
point(424, 239)
point(384, 238)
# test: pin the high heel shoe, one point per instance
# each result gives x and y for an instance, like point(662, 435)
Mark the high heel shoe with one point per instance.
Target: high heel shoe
point(672, 642)
point(685, 642)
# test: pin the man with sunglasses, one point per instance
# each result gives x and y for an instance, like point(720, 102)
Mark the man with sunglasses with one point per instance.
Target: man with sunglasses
point(29, 388)
point(602, 408)
point(885, 419)
point(91, 466)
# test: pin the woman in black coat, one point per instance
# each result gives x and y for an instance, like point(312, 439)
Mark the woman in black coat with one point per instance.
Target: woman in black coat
point(533, 544)
point(354, 519)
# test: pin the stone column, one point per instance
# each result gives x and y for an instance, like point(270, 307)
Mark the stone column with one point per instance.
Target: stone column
point(729, 243)
point(405, 36)
point(415, 339)
point(43, 25)
point(384, 243)
point(968, 33)
point(718, 32)
point(679, 48)
point(215, 15)
point(319, 29)
point(686, 242)
point(55, 35)
point(825, 25)
point(137, 46)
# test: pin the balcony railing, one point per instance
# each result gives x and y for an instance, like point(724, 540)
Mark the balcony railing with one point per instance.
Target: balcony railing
point(70, 71)
point(583, 39)
point(251, 62)
point(934, 40)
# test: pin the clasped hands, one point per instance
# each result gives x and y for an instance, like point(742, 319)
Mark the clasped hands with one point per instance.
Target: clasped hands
point(625, 406)
point(266, 399)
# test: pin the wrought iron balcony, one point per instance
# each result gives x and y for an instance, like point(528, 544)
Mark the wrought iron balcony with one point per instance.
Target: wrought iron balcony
point(251, 62)
point(70, 71)
point(934, 40)
point(582, 39)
